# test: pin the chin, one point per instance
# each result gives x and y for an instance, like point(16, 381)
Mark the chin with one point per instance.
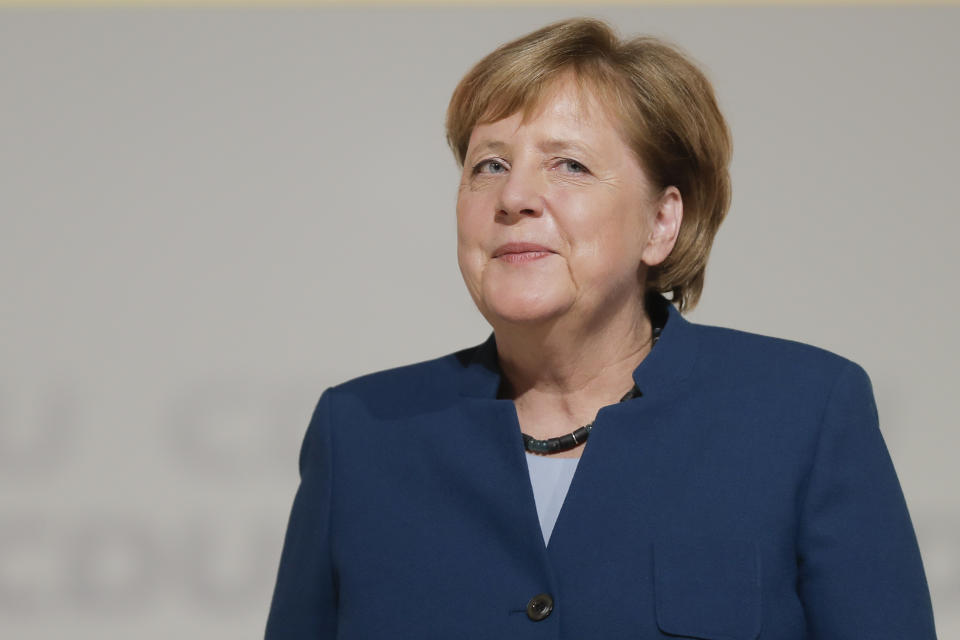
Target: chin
point(523, 309)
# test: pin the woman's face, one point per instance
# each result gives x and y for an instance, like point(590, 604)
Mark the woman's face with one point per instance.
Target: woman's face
point(565, 184)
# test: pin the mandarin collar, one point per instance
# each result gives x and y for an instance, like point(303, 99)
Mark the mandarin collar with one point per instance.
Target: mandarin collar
point(668, 363)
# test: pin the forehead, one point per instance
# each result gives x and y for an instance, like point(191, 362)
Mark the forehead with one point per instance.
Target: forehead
point(566, 107)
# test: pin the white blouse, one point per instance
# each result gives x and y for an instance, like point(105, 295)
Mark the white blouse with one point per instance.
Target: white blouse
point(550, 478)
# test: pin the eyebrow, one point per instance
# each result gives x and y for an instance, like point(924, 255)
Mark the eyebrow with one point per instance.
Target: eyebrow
point(490, 145)
point(556, 145)
point(553, 145)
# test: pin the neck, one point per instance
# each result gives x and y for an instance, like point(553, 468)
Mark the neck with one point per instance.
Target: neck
point(569, 368)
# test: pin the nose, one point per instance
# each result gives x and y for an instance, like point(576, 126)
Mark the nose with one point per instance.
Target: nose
point(521, 194)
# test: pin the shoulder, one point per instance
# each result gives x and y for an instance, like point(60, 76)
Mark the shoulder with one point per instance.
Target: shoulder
point(776, 397)
point(771, 364)
point(756, 346)
point(411, 388)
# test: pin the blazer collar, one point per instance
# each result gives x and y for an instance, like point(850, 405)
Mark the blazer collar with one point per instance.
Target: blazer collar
point(668, 363)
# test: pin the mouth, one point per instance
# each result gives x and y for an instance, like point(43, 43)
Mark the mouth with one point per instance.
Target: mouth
point(515, 251)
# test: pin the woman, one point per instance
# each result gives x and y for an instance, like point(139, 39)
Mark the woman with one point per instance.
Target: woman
point(714, 484)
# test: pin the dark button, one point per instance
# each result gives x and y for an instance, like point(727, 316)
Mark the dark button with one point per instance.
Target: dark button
point(539, 607)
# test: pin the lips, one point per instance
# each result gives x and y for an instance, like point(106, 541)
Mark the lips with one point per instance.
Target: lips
point(521, 247)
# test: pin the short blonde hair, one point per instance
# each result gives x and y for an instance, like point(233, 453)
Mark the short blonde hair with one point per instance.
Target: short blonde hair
point(666, 108)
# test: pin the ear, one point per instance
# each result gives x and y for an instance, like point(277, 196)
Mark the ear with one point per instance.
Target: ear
point(665, 227)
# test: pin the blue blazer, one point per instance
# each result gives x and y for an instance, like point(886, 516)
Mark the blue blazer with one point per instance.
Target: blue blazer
point(747, 493)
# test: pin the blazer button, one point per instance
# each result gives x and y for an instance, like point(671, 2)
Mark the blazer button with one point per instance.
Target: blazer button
point(539, 607)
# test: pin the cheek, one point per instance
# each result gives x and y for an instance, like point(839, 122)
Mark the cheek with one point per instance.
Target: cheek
point(470, 237)
point(605, 235)
point(472, 223)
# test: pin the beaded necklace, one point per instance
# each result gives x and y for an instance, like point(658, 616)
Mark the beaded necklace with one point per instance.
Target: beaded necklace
point(580, 435)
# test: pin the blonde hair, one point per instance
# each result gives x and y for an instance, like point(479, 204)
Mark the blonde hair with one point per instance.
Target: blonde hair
point(665, 106)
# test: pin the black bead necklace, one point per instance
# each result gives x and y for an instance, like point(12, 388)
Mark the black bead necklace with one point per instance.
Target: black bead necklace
point(578, 436)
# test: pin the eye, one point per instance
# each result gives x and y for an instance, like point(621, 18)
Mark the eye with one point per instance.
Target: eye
point(490, 165)
point(573, 166)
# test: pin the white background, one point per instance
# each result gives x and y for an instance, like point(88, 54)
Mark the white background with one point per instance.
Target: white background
point(210, 215)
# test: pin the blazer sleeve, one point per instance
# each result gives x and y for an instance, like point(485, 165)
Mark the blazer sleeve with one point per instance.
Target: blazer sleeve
point(304, 601)
point(861, 574)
